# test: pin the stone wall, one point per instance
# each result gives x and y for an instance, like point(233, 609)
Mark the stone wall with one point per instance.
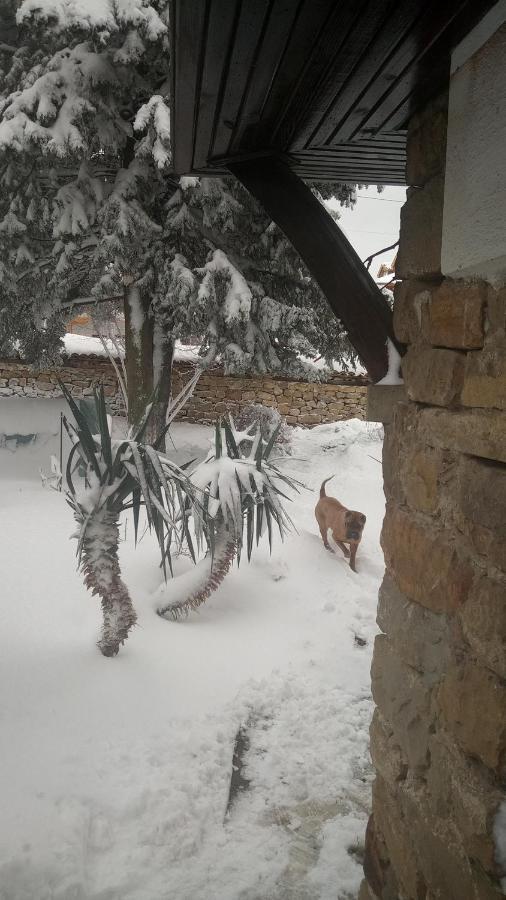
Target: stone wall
point(438, 736)
point(301, 403)
point(80, 374)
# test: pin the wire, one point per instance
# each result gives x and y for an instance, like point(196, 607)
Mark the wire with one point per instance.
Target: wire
point(378, 199)
point(358, 231)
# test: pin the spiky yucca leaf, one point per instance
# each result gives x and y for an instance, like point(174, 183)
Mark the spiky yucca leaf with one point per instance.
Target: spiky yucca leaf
point(119, 475)
point(238, 497)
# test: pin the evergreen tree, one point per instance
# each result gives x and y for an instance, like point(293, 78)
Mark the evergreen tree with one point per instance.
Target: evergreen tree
point(88, 210)
point(74, 79)
point(233, 277)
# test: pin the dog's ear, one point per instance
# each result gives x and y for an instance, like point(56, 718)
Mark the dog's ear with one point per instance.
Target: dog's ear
point(363, 518)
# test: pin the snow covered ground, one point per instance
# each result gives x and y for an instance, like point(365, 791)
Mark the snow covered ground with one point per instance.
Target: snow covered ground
point(115, 773)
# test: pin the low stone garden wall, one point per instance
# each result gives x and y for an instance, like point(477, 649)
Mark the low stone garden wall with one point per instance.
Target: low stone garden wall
point(80, 374)
point(301, 403)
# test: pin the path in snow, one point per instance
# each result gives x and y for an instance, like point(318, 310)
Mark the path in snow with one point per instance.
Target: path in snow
point(116, 773)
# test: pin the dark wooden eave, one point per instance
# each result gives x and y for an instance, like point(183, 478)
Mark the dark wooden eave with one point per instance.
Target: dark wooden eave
point(326, 86)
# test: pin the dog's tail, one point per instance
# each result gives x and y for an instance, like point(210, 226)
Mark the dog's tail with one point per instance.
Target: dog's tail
point(322, 489)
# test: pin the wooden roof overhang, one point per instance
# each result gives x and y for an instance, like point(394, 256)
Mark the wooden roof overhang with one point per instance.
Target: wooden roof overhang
point(327, 85)
point(284, 92)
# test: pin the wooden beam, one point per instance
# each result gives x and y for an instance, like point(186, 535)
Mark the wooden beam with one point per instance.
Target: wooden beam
point(332, 261)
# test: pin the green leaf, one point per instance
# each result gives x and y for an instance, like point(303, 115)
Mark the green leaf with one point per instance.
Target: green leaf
point(258, 452)
point(136, 507)
point(83, 431)
point(250, 516)
point(233, 449)
point(268, 519)
point(218, 440)
point(271, 441)
point(69, 470)
point(260, 520)
point(105, 437)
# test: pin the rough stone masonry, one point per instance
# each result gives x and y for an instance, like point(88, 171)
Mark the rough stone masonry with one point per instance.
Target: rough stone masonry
point(299, 402)
point(438, 736)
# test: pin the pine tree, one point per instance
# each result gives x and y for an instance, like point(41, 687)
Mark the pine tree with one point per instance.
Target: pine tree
point(75, 77)
point(234, 278)
point(88, 211)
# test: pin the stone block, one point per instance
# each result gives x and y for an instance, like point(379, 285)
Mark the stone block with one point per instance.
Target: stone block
point(472, 702)
point(482, 493)
point(403, 699)
point(426, 566)
point(366, 892)
point(456, 315)
point(444, 867)
point(433, 376)
point(476, 432)
point(420, 478)
point(483, 619)
point(485, 379)
point(426, 144)
point(386, 754)
point(419, 253)
point(381, 880)
point(392, 448)
point(421, 638)
point(381, 401)
point(411, 311)
point(295, 411)
point(496, 317)
point(462, 791)
point(397, 833)
point(310, 419)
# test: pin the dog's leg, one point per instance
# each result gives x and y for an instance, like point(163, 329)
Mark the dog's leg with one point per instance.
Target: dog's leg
point(343, 547)
point(353, 553)
point(323, 532)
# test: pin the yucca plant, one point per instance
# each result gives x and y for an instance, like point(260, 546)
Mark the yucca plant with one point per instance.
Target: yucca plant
point(237, 496)
point(119, 475)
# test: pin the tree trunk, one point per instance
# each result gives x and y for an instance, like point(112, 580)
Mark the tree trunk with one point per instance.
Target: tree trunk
point(191, 590)
point(139, 353)
point(148, 362)
point(102, 576)
point(163, 356)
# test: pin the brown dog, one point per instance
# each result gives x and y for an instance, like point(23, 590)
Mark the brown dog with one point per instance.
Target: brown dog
point(346, 525)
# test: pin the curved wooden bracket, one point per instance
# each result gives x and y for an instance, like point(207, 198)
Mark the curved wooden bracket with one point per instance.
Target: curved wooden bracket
point(350, 291)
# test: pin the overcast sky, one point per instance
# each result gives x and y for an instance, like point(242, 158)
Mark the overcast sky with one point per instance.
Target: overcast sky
point(373, 223)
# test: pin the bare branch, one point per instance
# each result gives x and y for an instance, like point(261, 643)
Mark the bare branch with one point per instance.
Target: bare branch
point(368, 260)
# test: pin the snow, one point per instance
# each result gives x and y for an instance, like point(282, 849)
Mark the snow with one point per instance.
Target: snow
point(393, 375)
point(116, 773)
point(84, 345)
point(94, 14)
point(237, 303)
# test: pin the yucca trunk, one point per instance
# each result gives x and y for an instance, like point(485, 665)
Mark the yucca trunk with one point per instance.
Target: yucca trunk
point(100, 566)
point(193, 588)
